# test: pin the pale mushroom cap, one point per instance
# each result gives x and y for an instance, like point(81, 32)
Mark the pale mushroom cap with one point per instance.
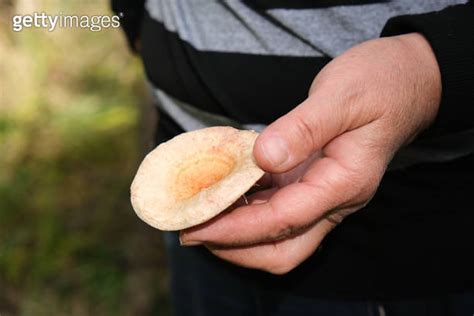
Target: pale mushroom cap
point(194, 176)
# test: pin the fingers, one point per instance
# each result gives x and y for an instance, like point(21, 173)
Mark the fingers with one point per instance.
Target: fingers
point(294, 175)
point(346, 178)
point(280, 213)
point(277, 257)
point(294, 137)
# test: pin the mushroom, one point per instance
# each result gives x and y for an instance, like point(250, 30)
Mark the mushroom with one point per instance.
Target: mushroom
point(194, 176)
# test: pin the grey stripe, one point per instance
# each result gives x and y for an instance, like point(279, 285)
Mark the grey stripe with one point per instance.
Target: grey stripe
point(211, 26)
point(190, 118)
point(336, 29)
point(231, 26)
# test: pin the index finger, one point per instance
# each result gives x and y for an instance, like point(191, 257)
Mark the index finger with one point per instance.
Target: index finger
point(284, 212)
point(346, 178)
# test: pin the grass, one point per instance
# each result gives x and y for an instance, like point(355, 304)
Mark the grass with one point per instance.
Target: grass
point(70, 139)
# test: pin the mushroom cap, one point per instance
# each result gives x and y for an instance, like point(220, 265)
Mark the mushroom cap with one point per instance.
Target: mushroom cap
point(194, 176)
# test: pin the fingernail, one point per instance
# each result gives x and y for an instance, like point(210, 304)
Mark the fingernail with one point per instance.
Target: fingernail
point(187, 243)
point(275, 150)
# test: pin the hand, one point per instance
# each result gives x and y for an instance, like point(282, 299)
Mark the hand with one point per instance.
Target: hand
point(327, 156)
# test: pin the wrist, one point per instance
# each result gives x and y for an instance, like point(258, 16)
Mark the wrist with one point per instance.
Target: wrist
point(420, 55)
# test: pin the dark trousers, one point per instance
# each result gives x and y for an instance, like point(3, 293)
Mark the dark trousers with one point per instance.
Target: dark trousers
point(203, 285)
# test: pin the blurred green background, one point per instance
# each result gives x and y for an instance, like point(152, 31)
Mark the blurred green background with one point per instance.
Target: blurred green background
point(74, 125)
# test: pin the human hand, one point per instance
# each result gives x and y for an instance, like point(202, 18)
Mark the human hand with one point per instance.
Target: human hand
point(327, 156)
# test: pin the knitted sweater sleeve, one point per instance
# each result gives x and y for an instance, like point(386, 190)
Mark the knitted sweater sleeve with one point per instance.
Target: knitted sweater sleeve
point(451, 35)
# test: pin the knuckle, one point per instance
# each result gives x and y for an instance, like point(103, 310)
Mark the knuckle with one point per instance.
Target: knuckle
point(278, 260)
point(284, 232)
point(280, 268)
point(359, 190)
point(363, 184)
point(284, 224)
point(364, 196)
point(308, 132)
point(336, 217)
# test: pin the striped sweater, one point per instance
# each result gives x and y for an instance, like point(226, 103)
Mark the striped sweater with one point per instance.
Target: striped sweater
point(246, 63)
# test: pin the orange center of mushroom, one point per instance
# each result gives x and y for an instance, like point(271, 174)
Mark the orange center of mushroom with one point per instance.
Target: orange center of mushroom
point(201, 172)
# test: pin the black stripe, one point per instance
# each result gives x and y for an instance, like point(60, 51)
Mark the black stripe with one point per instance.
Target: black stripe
point(167, 128)
point(248, 88)
point(307, 4)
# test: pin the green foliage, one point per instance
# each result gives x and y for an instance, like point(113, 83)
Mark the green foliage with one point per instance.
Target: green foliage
point(70, 243)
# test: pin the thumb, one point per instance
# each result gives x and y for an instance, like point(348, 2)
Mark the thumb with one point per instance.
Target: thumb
point(294, 137)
